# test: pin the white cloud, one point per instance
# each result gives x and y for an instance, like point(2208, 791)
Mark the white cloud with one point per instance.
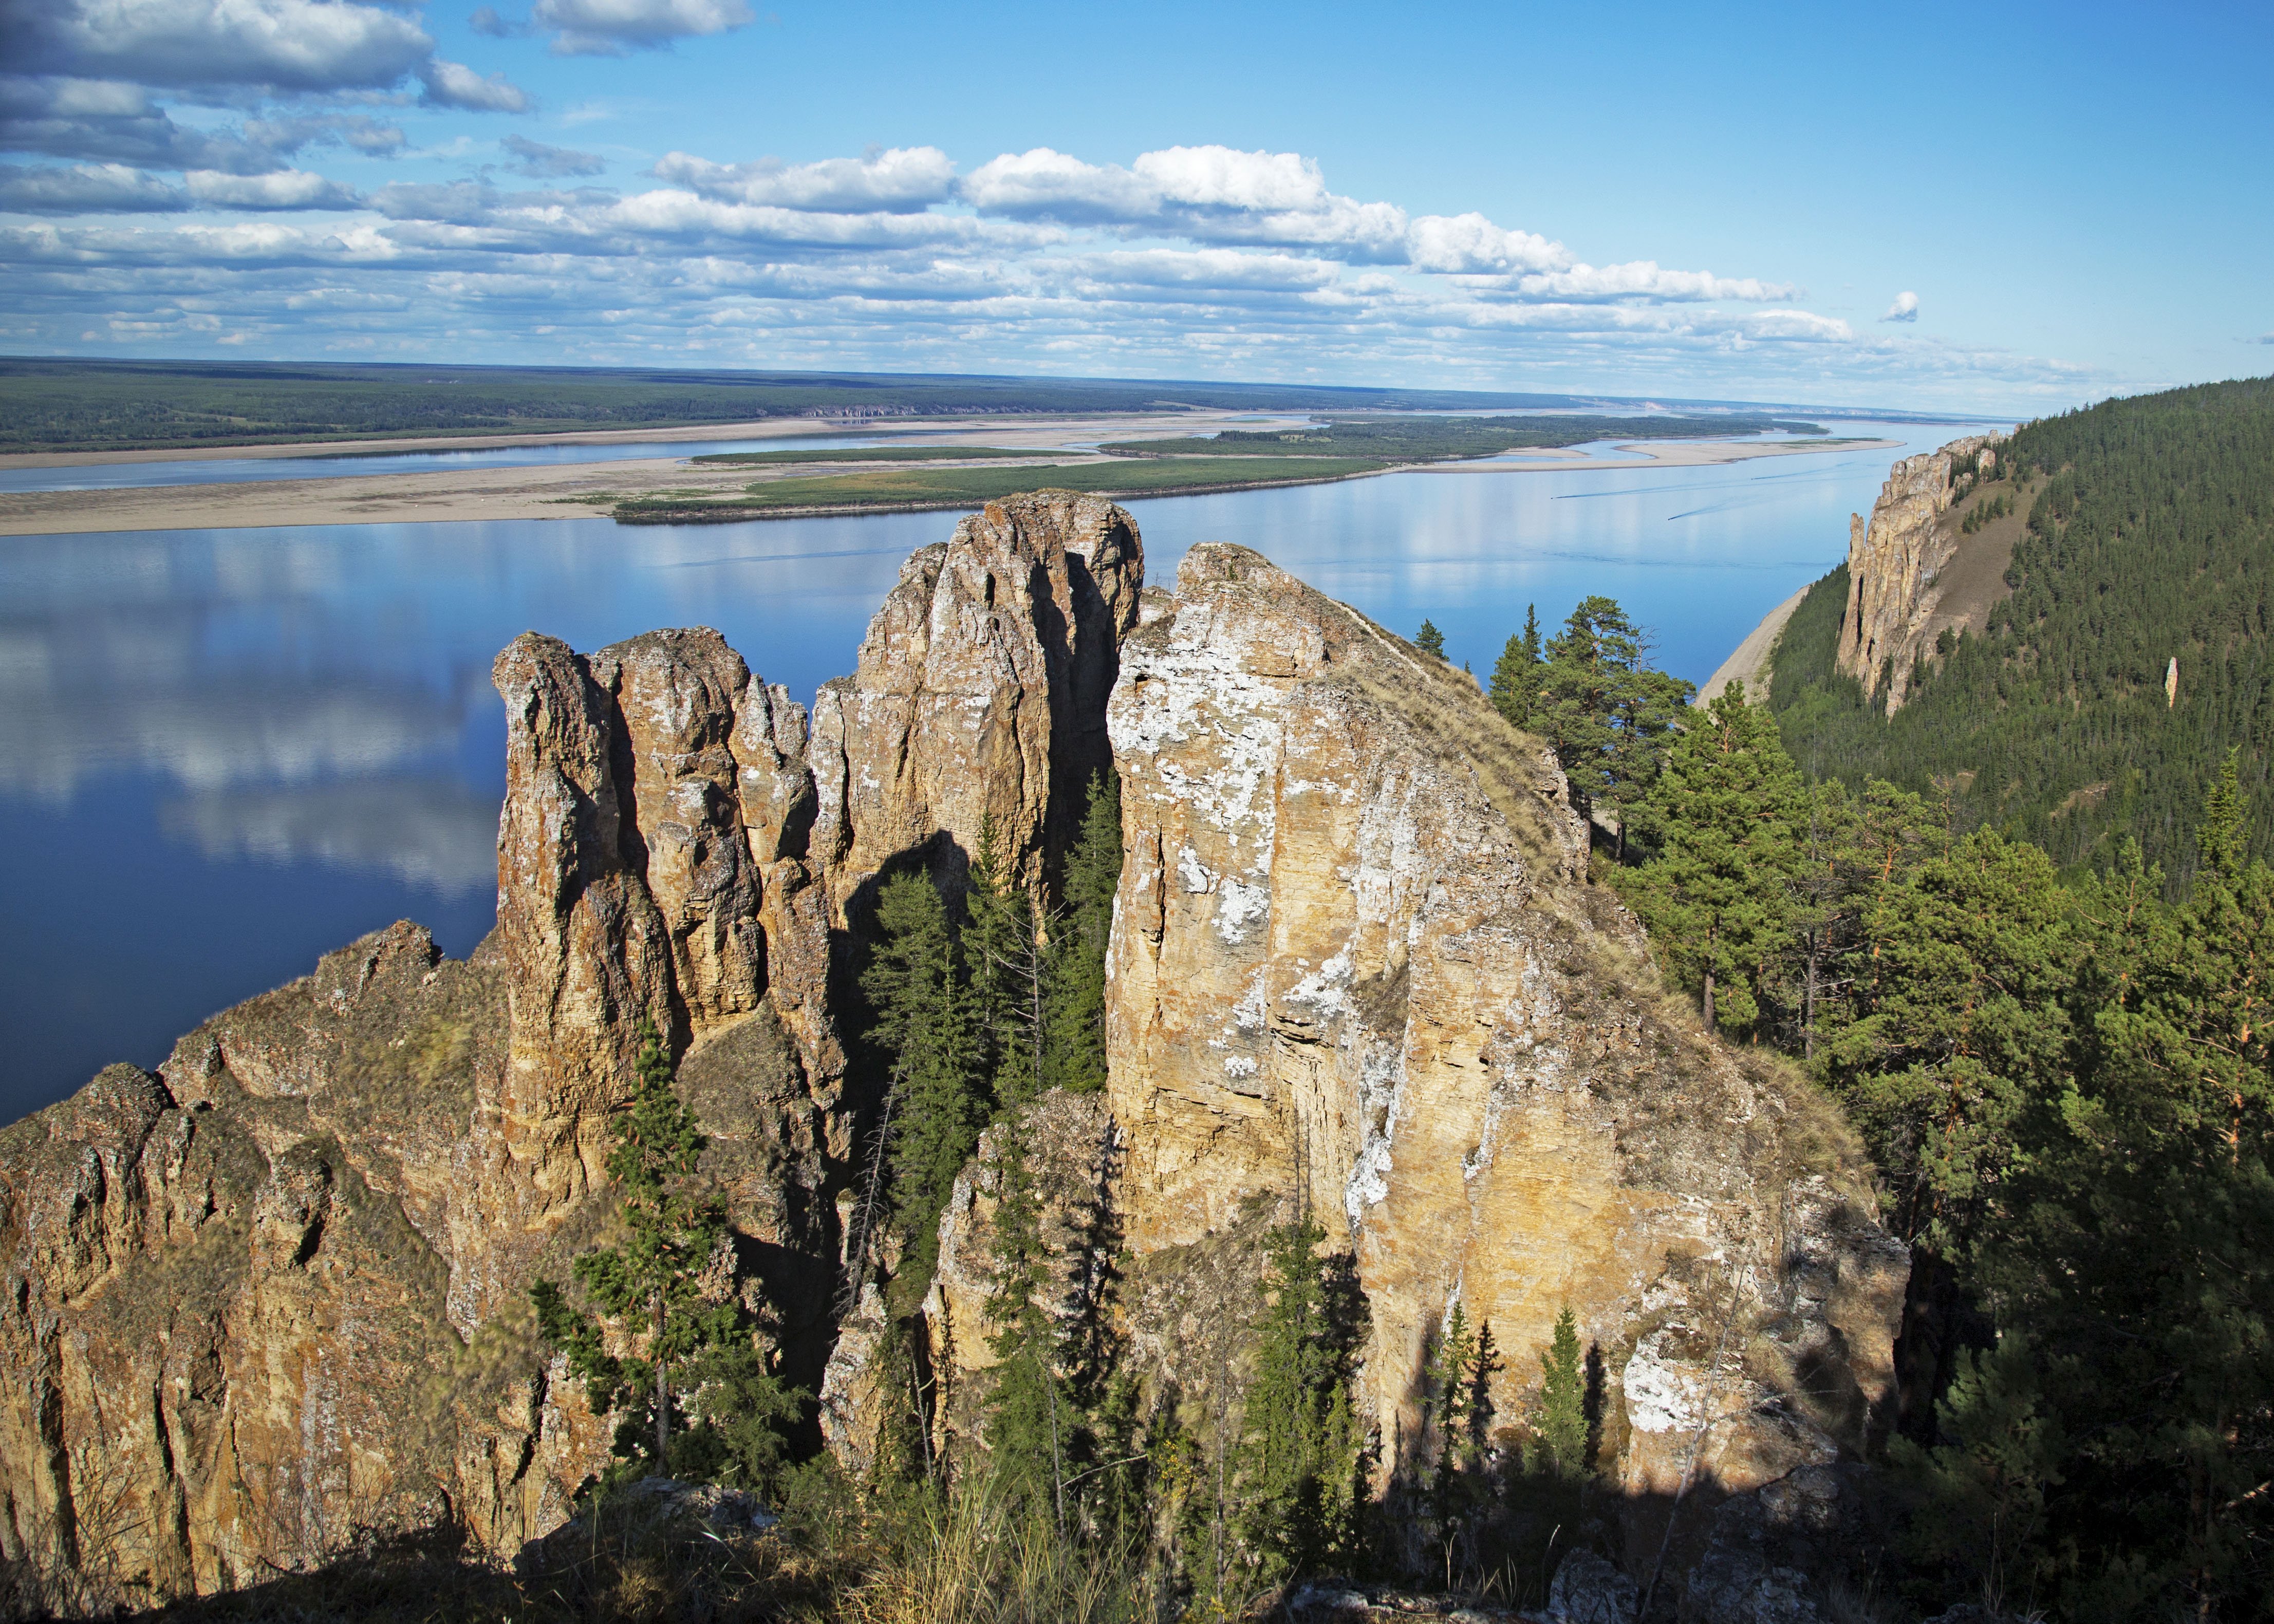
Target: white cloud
point(302, 45)
point(1904, 309)
point(1188, 261)
point(611, 28)
point(453, 84)
point(87, 188)
point(285, 189)
point(901, 181)
point(544, 163)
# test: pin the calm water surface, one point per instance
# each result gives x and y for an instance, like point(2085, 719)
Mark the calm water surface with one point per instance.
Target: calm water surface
point(225, 752)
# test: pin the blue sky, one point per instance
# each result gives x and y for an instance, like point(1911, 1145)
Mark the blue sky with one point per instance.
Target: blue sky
point(1995, 209)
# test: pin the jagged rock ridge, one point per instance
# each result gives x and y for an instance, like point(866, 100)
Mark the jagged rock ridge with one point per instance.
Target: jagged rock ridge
point(272, 1295)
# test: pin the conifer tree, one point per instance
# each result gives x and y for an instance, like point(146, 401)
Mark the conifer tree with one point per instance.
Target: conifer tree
point(1005, 944)
point(1560, 1447)
point(1429, 640)
point(926, 1022)
point(1075, 1049)
point(651, 1283)
point(1516, 676)
point(1300, 1439)
point(1716, 898)
point(1029, 1416)
point(1609, 716)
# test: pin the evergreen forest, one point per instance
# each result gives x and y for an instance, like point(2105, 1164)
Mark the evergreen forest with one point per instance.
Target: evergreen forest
point(2149, 538)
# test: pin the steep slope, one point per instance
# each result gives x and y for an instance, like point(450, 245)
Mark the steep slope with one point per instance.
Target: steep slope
point(1357, 970)
point(273, 1296)
point(2141, 534)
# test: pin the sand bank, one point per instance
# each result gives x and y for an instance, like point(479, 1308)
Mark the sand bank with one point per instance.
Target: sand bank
point(588, 489)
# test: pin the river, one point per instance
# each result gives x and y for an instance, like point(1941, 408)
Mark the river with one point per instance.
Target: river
point(224, 753)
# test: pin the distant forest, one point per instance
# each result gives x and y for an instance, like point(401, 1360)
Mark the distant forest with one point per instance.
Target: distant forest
point(2150, 537)
point(83, 405)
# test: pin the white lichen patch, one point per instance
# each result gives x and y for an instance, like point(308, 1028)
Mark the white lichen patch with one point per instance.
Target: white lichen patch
point(1241, 905)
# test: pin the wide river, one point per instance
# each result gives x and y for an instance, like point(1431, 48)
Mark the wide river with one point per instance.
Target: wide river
point(224, 753)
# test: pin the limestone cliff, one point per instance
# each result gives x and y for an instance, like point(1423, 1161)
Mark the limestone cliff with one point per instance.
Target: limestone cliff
point(1897, 563)
point(1357, 967)
point(272, 1297)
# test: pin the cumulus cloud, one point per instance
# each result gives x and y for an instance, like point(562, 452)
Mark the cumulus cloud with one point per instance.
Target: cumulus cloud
point(901, 181)
point(299, 45)
point(544, 163)
point(486, 20)
point(613, 27)
point(86, 189)
point(1904, 309)
point(1190, 259)
point(283, 189)
point(453, 84)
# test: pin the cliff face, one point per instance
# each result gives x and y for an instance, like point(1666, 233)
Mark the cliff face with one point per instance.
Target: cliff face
point(273, 1295)
point(1897, 562)
point(1357, 968)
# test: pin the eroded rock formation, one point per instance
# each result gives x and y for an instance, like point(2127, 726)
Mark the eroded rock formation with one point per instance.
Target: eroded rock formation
point(1896, 563)
point(274, 1295)
point(1357, 968)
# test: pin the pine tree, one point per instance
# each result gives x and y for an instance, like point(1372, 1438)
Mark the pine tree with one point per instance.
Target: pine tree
point(1006, 945)
point(1075, 1049)
point(652, 1283)
point(1562, 1447)
point(1516, 676)
point(1609, 716)
point(1030, 1418)
point(1429, 640)
point(1716, 898)
point(1300, 1439)
point(939, 1101)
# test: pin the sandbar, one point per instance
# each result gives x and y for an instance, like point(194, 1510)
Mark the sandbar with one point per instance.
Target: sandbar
point(588, 490)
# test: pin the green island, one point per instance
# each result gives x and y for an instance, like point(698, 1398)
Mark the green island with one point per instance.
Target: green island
point(868, 454)
point(916, 490)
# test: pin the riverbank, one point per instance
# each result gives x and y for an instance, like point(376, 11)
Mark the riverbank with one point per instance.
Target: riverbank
point(582, 489)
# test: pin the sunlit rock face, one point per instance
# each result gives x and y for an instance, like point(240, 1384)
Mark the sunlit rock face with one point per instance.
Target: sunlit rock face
point(980, 697)
point(1357, 970)
point(1893, 562)
point(274, 1295)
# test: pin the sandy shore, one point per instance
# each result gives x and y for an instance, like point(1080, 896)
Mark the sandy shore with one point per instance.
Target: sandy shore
point(1749, 662)
point(1005, 430)
point(1659, 454)
point(588, 489)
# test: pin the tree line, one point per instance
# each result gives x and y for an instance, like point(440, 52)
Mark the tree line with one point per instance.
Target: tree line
point(2064, 1083)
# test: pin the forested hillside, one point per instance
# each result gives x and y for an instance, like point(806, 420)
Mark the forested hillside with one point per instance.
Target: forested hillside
point(2150, 537)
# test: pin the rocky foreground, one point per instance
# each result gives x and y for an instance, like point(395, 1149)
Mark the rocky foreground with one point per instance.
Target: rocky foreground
point(273, 1296)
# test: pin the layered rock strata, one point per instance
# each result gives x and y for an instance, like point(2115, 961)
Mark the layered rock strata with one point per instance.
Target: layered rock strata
point(1897, 560)
point(272, 1297)
point(1358, 971)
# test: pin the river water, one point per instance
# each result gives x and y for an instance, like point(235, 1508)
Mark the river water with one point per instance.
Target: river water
point(224, 753)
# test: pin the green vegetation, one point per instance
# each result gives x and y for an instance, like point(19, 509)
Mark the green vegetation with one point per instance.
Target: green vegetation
point(82, 405)
point(866, 453)
point(2070, 1091)
point(1610, 717)
point(1431, 440)
point(2148, 535)
point(654, 1286)
point(912, 489)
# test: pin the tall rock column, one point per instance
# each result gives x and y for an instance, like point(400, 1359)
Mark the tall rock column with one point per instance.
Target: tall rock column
point(1894, 559)
point(980, 693)
point(1357, 971)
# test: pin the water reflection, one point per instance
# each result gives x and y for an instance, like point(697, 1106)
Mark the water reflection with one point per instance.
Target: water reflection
point(223, 752)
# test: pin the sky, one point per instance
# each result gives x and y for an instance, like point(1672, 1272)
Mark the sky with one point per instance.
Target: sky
point(2005, 210)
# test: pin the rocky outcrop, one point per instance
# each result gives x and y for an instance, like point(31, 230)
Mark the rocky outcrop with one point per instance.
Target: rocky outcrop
point(273, 1298)
point(980, 697)
point(1897, 562)
point(1357, 969)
